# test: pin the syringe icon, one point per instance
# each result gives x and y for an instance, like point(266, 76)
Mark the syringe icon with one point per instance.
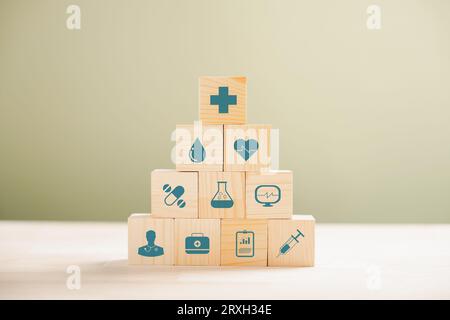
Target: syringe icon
point(290, 243)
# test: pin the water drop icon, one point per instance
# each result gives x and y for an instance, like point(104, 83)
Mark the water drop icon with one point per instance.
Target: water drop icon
point(197, 153)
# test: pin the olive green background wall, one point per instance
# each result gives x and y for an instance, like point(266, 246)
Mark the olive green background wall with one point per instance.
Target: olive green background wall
point(363, 114)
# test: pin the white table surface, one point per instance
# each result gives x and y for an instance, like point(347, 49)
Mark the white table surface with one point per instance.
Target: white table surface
point(352, 262)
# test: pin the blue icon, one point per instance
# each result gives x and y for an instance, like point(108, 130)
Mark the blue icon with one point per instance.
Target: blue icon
point(223, 100)
point(290, 243)
point(268, 194)
point(245, 244)
point(222, 199)
point(246, 148)
point(174, 196)
point(197, 153)
point(197, 243)
point(151, 249)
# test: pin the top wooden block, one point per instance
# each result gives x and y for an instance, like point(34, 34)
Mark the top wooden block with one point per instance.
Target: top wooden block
point(223, 100)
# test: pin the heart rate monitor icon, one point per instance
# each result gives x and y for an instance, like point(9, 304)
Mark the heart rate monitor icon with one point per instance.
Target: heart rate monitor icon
point(268, 194)
point(246, 148)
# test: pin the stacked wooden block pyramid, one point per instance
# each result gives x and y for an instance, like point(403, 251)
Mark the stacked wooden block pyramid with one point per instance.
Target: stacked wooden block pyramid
point(222, 205)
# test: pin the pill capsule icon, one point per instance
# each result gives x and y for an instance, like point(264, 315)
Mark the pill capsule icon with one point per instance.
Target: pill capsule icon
point(174, 196)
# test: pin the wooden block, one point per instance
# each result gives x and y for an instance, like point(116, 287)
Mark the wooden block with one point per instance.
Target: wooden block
point(247, 147)
point(281, 233)
point(223, 100)
point(150, 240)
point(174, 194)
point(197, 242)
point(244, 242)
point(222, 195)
point(269, 194)
point(199, 147)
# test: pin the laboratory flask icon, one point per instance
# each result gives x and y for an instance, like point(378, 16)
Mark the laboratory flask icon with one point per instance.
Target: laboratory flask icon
point(222, 199)
point(197, 152)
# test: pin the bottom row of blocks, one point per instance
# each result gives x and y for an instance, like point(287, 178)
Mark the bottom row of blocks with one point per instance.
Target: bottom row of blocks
point(226, 242)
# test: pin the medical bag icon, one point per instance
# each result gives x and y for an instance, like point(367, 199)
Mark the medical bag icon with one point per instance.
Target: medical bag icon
point(197, 243)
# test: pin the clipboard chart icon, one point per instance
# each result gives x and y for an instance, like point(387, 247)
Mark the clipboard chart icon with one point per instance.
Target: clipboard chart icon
point(245, 244)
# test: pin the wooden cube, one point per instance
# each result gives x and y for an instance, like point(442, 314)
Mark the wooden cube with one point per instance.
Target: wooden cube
point(222, 194)
point(199, 147)
point(197, 242)
point(269, 194)
point(223, 100)
point(150, 240)
point(174, 194)
point(247, 147)
point(243, 242)
point(291, 242)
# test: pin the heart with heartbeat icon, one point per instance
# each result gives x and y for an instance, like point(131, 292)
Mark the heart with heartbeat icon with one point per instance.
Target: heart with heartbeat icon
point(246, 148)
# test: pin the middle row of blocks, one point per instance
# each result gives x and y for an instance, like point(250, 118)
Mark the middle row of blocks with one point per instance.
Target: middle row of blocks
point(224, 195)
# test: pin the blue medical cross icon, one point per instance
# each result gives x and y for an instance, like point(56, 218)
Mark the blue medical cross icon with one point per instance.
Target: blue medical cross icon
point(223, 100)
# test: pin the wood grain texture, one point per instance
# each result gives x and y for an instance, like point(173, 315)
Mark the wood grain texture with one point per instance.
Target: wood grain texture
point(260, 160)
point(283, 179)
point(138, 225)
point(187, 227)
point(208, 189)
point(188, 180)
point(229, 229)
point(209, 114)
point(302, 254)
point(210, 136)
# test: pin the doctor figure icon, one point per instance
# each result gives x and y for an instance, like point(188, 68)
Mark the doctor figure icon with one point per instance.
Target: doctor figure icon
point(151, 249)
